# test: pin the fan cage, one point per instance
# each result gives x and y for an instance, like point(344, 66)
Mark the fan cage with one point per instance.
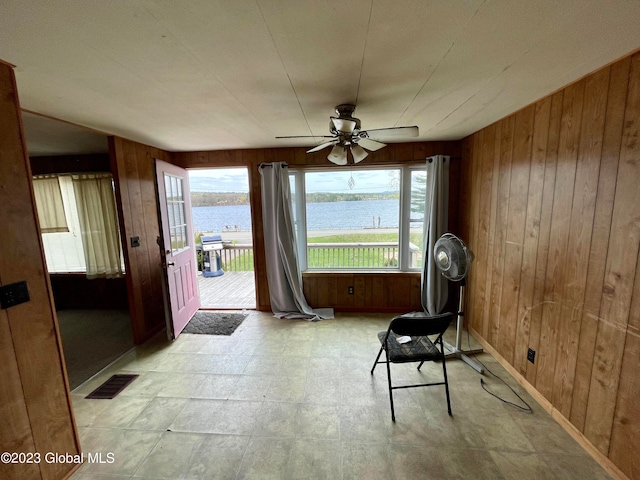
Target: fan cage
point(457, 254)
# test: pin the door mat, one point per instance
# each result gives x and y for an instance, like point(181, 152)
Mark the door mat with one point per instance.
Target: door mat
point(214, 323)
point(112, 387)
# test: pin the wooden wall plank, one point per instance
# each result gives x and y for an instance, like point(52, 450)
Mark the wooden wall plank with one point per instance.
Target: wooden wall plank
point(616, 99)
point(514, 239)
point(554, 309)
point(619, 277)
point(539, 285)
point(531, 234)
point(579, 285)
point(133, 168)
point(494, 165)
point(15, 434)
point(480, 248)
point(36, 396)
point(580, 230)
point(506, 127)
point(475, 181)
point(625, 436)
point(505, 131)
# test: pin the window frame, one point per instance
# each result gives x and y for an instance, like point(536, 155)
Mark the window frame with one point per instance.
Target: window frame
point(297, 176)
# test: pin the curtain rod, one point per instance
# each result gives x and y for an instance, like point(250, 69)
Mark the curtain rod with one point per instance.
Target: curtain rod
point(351, 165)
point(262, 165)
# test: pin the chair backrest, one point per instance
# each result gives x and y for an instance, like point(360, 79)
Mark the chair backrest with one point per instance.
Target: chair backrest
point(421, 325)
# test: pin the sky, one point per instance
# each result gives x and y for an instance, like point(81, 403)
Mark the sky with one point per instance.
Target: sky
point(235, 180)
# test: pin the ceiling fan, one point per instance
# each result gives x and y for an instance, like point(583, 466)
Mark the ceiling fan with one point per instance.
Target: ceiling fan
point(346, 135)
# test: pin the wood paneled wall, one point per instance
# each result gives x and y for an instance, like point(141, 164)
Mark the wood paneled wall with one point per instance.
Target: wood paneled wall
point(132, 165)
point(35, 408)
point(324, 289)
point(372, 292)
point(98, 162)
point(75, 291)
point(551, 209)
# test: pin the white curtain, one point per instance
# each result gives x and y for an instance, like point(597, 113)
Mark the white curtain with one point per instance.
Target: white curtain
point(49, 204)
point(96, 204)
point(283, 270)
point(435, 286)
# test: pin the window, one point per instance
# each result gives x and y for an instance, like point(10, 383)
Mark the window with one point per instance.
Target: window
point(176, 213)
point(65, 251)
point(359, 219)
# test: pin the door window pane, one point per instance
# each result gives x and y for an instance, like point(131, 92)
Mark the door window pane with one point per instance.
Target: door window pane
point(176, 213)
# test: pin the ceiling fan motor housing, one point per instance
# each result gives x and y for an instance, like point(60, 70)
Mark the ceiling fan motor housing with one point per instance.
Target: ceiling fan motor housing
point(345, 124)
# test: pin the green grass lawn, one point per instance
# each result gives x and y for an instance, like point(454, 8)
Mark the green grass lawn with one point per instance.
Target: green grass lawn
point(351, 257)
point(356, 257)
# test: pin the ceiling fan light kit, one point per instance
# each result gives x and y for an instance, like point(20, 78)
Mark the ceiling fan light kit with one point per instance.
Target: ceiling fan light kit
point(346, 136)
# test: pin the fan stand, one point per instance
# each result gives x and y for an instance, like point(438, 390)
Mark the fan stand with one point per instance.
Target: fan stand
point(456, 350)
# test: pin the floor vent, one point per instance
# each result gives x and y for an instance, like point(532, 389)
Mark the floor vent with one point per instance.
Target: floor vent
point(112, 387)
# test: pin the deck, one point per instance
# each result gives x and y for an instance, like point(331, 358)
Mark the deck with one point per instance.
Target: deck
point(231, 290)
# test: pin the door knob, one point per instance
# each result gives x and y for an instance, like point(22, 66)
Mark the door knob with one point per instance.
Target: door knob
point(170, 264)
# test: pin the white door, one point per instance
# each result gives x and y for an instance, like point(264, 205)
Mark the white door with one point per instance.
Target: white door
point(179, 255)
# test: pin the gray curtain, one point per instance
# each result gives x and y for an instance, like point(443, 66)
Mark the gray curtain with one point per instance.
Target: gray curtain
point(283, 270)
point(434, 287)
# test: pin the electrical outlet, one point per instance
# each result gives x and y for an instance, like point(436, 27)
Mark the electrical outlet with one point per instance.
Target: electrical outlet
point(350, 289)
point(14, 294)
point(531, 355)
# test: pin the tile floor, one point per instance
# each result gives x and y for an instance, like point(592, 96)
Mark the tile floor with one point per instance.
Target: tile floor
point(287, 399)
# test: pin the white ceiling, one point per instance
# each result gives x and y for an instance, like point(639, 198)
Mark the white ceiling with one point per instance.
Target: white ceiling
point(223, 74)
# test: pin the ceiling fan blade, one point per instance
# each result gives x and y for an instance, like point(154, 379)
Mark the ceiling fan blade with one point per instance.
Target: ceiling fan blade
point(372, 145)
point(358, 153)
point(322, 145)
point(307, 136)
point(344, 125)
point(393, 132)
point(338, 155)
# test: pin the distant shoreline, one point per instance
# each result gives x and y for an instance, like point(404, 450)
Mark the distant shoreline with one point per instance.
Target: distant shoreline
point(224, 199)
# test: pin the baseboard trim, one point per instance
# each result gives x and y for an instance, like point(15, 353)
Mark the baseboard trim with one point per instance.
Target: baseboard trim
point(577, 435)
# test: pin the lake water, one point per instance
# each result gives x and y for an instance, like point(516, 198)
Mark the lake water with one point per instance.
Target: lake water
point(320, 216)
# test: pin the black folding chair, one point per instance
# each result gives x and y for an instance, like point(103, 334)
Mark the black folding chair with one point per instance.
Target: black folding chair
point(419, 349)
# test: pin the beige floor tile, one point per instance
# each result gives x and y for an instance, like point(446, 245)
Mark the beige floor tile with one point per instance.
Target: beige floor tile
point(218, 457)
point(286, 389)
point(86, 410)
point(276, 419)
point(216, 387)
point(463, 464)
point(314, 459)
point(295, 399)
point(318, 421)
point(501, 432)
point(171, 456)
point(365, 460)
point(523, 466)
point(120, 411)
point(250, 387)
point(129, 449)
point(363, 424)
point(159, 414)
point(266, 458)
point(416, 463)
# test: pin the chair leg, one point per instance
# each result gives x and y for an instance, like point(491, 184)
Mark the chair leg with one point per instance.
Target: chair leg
point(377, 358)
point(446, 384)
point(393, 413)
point(419, 366)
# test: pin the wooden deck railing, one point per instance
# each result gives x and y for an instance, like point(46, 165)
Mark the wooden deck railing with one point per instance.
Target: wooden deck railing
point(380, 255)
